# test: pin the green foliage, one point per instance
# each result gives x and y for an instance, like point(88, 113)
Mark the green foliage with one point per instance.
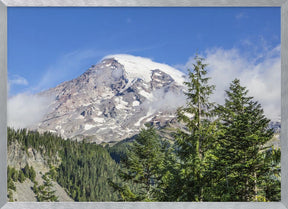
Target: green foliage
point(11, 185)
point(142, 166)
point(119, 150)
point(242, 163)
point(84, 168)
point(32, 174)
point(21, 177)
point(26, 171)
point(194, 145)
point(35, 188)
point(269, 182)
point(47, 143)
point(12, 174)
point(45, 192)
point(10, 196)
point(53, 172)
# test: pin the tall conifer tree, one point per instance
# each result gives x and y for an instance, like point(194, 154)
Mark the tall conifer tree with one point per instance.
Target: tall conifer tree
point(241, 159)
point(193, 144)
point(142, 166)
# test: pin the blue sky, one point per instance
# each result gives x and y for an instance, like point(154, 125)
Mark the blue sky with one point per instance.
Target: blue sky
point(41, 40)
point(47, 46)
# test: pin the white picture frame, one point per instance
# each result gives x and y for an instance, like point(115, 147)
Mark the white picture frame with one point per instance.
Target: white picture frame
point(144, 3)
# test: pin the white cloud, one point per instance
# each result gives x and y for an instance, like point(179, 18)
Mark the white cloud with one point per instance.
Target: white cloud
point(163, 101)
point(73, 64)
point(262, 77)
point(26, 110)
point(15, 80)
point(18, 80)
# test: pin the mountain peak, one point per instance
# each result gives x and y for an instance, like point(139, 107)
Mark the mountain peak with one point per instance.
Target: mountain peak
point(140, 67)
point(113, 99)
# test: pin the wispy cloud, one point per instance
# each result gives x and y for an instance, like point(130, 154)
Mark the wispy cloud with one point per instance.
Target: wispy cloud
point(261, 77)
point(17, 80)
point(26, 110)
point(258, 48)
point(164, 101)
point(67, 67)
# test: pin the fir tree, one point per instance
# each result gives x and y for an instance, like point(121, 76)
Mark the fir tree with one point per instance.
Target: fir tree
point(142, 166)
point(193, 144)
point(45, 192)
point(21, 176)
point(241, 160)
point(32, 174)
point(26, 171)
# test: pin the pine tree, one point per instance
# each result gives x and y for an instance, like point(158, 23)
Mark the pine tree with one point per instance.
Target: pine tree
point(240, 160)
point(21, 176)
point(32, 174)
point(193, 144)
point(142, 166)
point(45, 192)
point(270, 179)
point(26, 171)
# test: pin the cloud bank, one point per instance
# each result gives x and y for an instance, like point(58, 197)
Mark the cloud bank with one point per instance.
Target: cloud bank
point(163, 101)
point(26, 110)
point(262, 77)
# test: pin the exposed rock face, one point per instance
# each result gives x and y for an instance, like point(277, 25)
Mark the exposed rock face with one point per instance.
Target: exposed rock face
point(18, 158)
point(113, 99)
point(160, 79)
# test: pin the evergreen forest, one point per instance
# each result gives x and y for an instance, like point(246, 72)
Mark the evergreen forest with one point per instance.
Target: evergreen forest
point(220, 153)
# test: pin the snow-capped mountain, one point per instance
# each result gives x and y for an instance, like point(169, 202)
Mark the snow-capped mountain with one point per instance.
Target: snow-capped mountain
point(113, 99)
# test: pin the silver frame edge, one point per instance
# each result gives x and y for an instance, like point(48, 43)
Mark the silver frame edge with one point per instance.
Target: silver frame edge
point(149, 3)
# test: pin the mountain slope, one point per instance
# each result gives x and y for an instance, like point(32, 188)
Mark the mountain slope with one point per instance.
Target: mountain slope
point(17, 159)
point(76, 170)
point(112, 100)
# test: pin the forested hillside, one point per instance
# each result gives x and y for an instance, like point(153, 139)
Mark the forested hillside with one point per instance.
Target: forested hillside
point(82, 169)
